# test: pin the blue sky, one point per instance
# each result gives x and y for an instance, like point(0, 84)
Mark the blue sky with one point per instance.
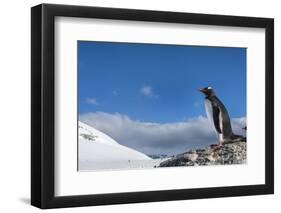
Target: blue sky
point(158, 83)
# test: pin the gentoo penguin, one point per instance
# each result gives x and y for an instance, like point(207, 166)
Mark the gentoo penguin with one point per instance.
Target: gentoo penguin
point(218, 115)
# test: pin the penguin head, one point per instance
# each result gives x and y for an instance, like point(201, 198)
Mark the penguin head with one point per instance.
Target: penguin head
point(208, 91)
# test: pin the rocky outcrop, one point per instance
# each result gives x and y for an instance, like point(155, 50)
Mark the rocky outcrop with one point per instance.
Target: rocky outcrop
point(230, 153)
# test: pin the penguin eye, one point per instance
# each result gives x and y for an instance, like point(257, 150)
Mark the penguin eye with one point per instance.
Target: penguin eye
point(209, 87)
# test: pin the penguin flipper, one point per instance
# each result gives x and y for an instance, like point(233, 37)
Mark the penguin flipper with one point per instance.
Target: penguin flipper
point(216, 113)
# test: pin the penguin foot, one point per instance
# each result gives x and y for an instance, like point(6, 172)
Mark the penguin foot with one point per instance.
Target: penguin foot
point(216, 146)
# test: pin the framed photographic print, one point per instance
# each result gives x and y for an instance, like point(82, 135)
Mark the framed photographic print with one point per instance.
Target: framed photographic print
point(139, 106)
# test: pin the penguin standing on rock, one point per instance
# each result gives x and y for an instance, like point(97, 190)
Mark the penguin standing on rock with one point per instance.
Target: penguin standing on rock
point(218, 115)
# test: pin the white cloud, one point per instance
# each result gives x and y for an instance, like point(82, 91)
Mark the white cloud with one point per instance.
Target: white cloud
point(156, 138)
point(148, 91)
point(92, 101)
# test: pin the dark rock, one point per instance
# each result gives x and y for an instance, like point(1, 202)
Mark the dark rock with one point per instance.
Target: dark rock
point(229, 153)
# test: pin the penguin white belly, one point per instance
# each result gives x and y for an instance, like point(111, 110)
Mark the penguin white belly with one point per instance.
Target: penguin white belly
point(209, 112)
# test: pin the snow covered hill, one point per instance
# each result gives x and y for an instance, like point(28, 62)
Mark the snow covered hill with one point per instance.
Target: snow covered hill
point(99, 151)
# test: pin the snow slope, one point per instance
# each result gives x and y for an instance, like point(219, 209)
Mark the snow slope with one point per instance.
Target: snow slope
point(99, 151)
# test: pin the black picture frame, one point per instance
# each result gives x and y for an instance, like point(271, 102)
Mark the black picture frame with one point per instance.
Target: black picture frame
point(43, 102)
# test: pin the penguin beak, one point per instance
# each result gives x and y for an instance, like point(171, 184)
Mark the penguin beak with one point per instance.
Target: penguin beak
point(202, 90)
